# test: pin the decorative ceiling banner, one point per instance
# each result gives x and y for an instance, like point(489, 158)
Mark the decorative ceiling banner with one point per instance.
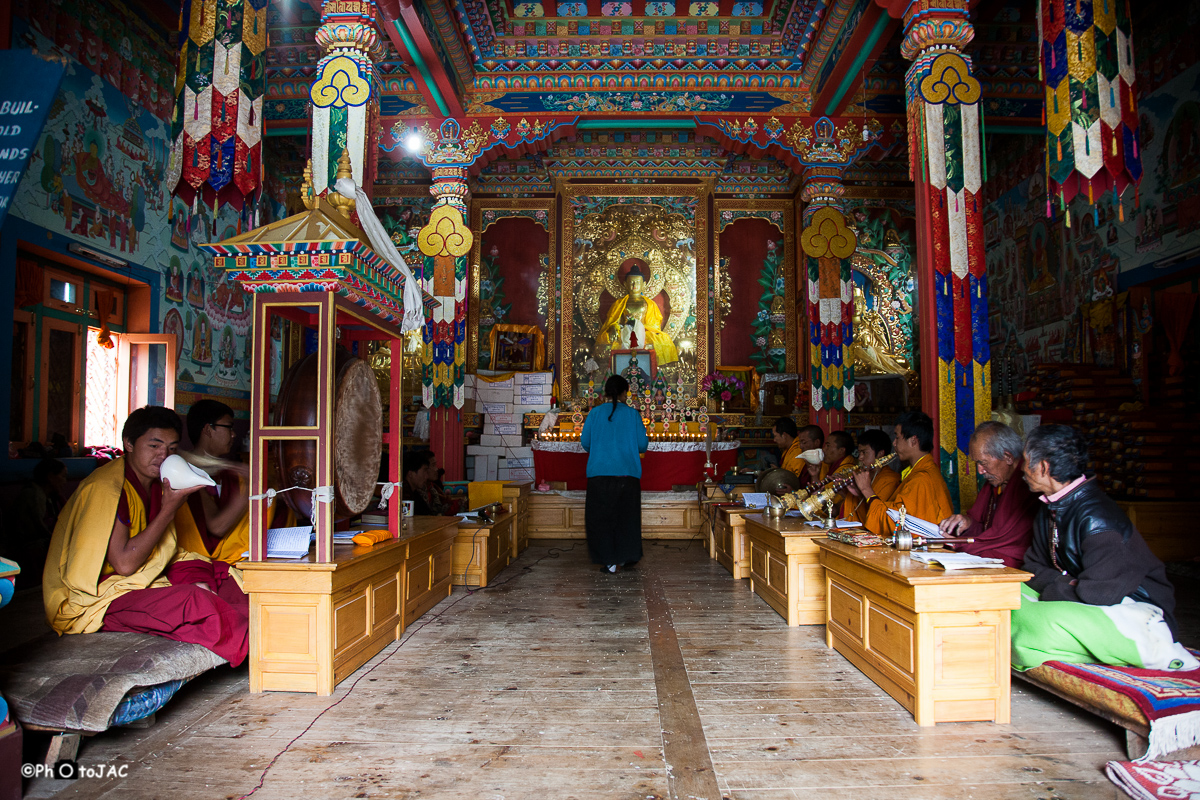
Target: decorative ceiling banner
point(1091, 111)
point(217, 126)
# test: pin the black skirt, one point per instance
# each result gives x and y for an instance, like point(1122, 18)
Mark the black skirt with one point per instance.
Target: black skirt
point(613, 518)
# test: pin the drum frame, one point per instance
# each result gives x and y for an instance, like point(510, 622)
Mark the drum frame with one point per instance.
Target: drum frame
point(327, 314)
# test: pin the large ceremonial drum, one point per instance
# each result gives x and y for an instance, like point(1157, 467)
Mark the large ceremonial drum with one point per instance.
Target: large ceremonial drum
point(357, 434)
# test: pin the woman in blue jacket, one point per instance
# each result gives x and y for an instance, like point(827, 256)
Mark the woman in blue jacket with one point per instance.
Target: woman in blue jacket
point(614, 437)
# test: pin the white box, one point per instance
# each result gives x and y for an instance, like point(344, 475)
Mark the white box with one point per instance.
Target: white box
point(490, 394)
point(520, 462)
point(481, 450)
point(526, 378)
point(504, 430)
point(505, 419)
point(507, 383)
point(515, 474)
point(501, 474)
point(530, 408)
point(496, 408)
point(532, 396)
point(496, 440)
point(492, 468)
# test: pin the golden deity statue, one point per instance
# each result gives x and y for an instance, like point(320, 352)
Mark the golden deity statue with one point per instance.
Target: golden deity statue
point(635, 321)
point(872, 352)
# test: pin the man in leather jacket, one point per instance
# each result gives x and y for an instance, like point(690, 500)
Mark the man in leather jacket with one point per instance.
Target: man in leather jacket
point(1084, 548)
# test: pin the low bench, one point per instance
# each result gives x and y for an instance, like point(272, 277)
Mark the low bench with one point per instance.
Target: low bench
point(83, 684)
point(1160, 711)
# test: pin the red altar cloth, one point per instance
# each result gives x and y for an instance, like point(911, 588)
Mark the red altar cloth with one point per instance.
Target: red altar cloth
point(660, 469)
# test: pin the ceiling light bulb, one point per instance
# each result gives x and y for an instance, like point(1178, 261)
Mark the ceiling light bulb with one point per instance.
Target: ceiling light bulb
point(413, 143)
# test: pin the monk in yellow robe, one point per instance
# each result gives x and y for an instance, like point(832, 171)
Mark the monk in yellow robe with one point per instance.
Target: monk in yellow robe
point(872, 445)
point(838, 454)
point(635, 322)
point(922, 489)
point(215, 522)
point(793, 443)
point(113, 562)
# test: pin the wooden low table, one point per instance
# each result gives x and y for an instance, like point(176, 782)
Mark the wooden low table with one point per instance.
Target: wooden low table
point(936, 641)
point(665, 515)
point(727, 542)
point(784, 568)
point(481, 550)
point(314, 623)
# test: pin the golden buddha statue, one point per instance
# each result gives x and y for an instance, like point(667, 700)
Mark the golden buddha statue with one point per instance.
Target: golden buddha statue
point(872, 352)
point(635, 322)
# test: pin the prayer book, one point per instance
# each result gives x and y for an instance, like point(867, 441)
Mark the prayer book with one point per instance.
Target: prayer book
point(917, 525)
point(290, 542)
point(755, 499)
point(949, 561)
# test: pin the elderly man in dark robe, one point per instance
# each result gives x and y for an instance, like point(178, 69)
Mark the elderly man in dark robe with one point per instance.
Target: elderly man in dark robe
point(1000, 523)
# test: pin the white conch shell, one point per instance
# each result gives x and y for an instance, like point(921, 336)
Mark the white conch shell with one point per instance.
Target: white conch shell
point(813, 457)
point(182, 475)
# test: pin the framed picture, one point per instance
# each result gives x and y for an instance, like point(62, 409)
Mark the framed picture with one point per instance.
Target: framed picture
point(517, 348)
point(646, 363)
point(779, 396)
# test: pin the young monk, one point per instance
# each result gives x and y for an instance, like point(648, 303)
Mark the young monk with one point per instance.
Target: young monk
point(113, 563)
point(922, 488)
point(215, 521)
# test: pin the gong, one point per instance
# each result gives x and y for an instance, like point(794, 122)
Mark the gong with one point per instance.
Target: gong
point(357, 433)
point(778, 482)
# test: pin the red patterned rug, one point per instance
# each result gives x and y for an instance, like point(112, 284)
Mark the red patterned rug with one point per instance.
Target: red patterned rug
point(1156, 780)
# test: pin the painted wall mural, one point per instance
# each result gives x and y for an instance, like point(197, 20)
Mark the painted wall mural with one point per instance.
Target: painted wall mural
point(1047, 275)
point(97, 177)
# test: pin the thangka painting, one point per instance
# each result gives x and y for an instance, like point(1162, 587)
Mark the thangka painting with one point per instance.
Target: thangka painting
point(630, 282)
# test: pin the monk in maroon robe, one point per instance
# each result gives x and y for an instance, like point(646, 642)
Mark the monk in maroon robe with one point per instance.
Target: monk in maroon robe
point(1000, 523)
point(114, 565)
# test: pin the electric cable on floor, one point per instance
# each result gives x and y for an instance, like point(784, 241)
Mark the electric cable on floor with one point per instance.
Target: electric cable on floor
point(553, 552)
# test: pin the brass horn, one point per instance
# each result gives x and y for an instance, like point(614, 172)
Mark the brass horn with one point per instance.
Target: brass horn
point(816, 500)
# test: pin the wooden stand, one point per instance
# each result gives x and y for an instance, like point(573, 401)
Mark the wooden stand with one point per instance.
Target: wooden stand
point(729, 545)
point(937, 641)
point(784, 569)
point(516, 496)
point(312, 623)
point(481, 550)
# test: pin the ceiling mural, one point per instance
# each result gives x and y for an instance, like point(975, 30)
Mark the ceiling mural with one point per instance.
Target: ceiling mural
point(710, 62)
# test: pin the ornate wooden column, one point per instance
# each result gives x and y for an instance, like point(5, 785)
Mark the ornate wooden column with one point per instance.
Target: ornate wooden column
point(824, 152)
point(829, 244)
point(445, 244)
point(345, 94)
point(944, 145)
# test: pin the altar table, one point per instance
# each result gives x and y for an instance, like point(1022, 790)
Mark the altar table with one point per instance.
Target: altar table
point(664, 465)
point(937, 641)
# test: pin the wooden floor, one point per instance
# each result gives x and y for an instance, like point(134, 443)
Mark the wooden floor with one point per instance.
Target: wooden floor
point(668, 680)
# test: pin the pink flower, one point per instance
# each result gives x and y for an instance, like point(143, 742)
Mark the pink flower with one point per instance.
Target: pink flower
point(727, 395)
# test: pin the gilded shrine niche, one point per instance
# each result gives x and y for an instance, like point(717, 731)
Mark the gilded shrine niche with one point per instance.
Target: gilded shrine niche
point(634, 295)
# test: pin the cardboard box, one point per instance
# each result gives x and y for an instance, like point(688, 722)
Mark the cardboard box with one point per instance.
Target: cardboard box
point(527, 378)
point(495, 440)
point(490, 394)
point(506, 419)
point(520, 462)
point(480, 450)
point(504, 430)
point(522, 475)
point(483, 382)
point(530, 408)
point(496, 408)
